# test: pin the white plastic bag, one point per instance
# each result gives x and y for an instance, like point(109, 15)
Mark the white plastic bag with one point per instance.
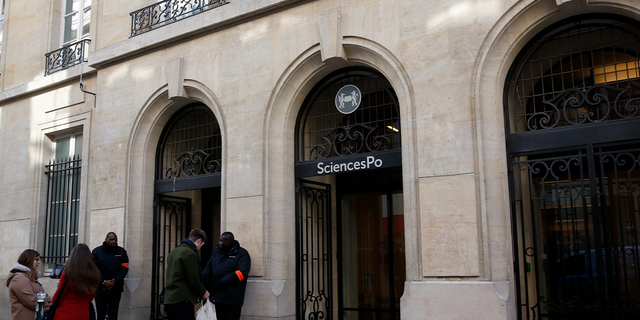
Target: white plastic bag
point(207, 311)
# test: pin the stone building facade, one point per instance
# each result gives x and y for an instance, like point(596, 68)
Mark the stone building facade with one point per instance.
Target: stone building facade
point(493, 146)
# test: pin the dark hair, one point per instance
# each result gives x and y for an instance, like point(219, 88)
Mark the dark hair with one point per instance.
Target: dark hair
point(110, 232)
point(228, 234)
point(26, 259)
point(81, 270)
point(196, 234)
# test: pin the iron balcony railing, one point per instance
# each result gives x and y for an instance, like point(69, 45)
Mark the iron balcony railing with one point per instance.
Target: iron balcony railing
point(66, 57)
point(168, 11)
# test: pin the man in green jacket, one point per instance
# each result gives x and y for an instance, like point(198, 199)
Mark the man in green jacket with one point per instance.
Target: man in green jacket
point(183, 287)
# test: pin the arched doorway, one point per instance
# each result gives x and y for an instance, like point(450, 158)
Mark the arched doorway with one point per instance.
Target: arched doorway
point(187, 188)
point(572, 104)
point(348, 149)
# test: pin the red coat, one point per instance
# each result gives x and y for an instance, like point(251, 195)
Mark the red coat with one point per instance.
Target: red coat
point(74, 305)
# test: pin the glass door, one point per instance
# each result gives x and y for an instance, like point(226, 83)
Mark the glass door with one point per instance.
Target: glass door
point(371, 250)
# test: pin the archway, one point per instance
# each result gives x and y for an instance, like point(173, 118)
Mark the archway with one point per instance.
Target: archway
point(187, 188)
point(148, 127)
point(573, 147)
point(348, 145)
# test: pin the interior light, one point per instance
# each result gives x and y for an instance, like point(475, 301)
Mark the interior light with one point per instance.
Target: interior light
point(393, 128)
point(616, 72)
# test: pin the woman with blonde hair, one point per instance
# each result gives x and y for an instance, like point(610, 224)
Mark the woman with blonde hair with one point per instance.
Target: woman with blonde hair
point(23, 286)
point(77, 287)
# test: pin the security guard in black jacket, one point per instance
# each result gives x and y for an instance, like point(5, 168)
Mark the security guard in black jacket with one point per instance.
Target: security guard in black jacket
point(113, 263)
point(225, 277)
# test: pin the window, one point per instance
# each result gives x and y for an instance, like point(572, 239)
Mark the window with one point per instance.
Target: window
point(1, 20)
point(579, 73)
point(63, 198)
point(76, 20)
point(325, 132)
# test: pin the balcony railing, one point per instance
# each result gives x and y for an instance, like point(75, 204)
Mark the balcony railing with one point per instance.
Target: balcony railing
point(168, 11)
point(66, 57)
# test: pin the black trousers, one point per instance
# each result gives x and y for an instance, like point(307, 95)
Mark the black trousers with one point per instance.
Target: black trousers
point(182, 310)
point(228, 311)
point(108, 302)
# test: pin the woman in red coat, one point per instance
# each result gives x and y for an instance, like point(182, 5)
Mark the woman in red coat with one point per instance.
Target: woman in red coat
point(82, 277)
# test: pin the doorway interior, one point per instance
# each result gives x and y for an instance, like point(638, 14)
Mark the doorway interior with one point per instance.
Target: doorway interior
point(371, 261)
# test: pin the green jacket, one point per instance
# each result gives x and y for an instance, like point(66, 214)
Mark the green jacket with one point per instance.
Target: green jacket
point(183, 275)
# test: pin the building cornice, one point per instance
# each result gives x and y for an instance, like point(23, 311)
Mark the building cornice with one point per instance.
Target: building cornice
point(231, 14)
point(52, 80)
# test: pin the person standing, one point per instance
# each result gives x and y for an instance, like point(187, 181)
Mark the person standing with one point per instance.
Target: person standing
point(24, 286)
point(226, 275)
point(113, 263)
point(78, 284)
point(183, 287)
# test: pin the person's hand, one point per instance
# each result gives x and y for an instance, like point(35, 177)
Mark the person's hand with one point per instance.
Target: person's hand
point(206, 295)
point(110, 284)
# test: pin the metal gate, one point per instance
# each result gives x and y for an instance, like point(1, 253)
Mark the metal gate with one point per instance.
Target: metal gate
point(171, 224)
point(314, 289)
point(576, 237)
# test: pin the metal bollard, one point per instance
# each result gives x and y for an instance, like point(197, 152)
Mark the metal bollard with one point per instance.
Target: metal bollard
point(40, 306)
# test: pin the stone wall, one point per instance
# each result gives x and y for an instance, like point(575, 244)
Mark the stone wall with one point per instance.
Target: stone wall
point(253, 63)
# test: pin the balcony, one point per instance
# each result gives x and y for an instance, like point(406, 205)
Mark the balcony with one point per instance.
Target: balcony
point(66, 57)
point(167, 12)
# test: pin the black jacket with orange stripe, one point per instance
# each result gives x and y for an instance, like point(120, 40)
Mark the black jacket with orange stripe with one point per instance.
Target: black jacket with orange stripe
point(113, 263)
point(225, 274)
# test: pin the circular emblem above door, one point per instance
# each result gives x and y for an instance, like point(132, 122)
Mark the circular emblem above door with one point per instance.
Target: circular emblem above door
point(348, 99)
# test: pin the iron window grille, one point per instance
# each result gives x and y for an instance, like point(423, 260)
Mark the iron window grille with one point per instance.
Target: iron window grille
point(583, 73)
point(324, 132)
point(192, 145)
point(63, 203)
point(66, 57)
point(166, 12)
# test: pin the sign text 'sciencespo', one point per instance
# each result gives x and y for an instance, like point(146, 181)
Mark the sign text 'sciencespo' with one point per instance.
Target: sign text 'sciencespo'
point(349, 166)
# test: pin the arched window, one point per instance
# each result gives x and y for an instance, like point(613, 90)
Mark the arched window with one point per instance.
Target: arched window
point(190, 146)
point(582, 72)
point(325, 131)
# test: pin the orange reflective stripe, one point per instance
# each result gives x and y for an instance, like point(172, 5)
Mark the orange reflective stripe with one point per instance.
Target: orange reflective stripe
point(239, 274)
point(126, 265)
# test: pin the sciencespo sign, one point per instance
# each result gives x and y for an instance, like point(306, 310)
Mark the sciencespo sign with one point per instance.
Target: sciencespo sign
point(370, 163)
point(352, 163)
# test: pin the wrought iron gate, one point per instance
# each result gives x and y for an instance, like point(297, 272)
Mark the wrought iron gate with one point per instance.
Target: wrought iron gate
point(171, 224)
point(314, 289)
point(576, 237)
